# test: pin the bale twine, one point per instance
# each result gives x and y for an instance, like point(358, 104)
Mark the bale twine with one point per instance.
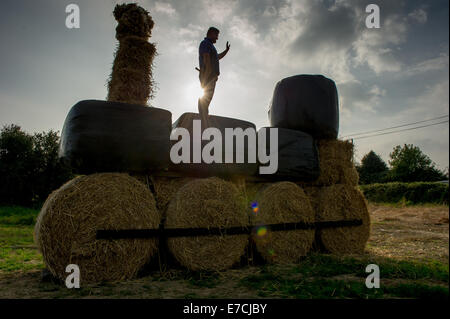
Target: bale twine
point(283, 202)
point(68, 222)
point(341, 202)
point(205, 203)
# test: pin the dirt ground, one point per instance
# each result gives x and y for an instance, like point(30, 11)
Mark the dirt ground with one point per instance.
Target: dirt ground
point(417, 233)
point(404, 233)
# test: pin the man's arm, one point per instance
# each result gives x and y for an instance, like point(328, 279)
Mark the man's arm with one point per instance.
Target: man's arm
point(221, 55)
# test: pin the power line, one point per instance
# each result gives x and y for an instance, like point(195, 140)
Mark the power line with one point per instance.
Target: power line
point(408, 129)
point(393, 127)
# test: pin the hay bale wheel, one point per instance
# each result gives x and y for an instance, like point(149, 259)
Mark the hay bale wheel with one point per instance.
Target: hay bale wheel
point(342, 202)
point(68, 222)
point(283, 202)
point(206, 203)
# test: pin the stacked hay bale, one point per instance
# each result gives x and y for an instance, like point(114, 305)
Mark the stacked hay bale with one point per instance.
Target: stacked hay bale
point(70, 218)
point(309, 103)
point(131, 78)
point(335, 196)
point(68, 222)
point(336, 163)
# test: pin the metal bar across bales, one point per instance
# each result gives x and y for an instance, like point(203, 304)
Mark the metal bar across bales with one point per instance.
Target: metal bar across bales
point(214, 231)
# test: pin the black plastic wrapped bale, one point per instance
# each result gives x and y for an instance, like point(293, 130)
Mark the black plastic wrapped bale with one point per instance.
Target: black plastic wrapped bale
point(101, 136)
point(298, 158)
point(197, 166)
point(308, 103)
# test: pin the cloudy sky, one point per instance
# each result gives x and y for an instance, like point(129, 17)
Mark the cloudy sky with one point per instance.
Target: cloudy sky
point(386, 77)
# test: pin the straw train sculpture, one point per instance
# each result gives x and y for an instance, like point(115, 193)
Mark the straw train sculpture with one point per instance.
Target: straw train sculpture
point(114, 220)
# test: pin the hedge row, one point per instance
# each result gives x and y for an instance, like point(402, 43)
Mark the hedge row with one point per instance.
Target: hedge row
point(414, 193)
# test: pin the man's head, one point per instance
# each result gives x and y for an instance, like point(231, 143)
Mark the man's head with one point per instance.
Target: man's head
point(213, 34)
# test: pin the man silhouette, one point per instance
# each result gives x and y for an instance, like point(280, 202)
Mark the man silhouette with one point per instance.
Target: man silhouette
point(209, 69)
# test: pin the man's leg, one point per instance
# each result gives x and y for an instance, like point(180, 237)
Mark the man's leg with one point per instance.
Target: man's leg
point(205, 100)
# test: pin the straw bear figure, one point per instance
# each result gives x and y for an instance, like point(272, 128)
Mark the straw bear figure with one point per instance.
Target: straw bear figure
point(131, 78)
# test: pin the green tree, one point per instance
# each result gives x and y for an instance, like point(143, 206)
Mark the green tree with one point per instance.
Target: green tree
point(16, 165)
point(29, 166)
point(409, 164)
point(372, 169)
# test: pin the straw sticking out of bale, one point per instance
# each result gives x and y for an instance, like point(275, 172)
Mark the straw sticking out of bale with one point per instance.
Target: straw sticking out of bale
point(129, 86)
point(68, 222)
point(206, 203)
point(283, 202)
point(136, 54)
point(133, 20)
point(341, 202)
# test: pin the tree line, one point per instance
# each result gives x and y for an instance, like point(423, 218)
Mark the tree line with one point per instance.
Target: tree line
point(29, 166)
point(407, 164)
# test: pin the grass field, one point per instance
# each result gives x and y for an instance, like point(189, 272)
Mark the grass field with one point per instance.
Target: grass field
point(409, 244)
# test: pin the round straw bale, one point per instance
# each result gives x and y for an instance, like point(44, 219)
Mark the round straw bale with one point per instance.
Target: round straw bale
point(165, 189)
point(71, 216)
point(342, 202)
point(205, 203)
point(283, 202)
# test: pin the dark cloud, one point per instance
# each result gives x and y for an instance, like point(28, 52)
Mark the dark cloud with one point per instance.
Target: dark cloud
point(326, 28)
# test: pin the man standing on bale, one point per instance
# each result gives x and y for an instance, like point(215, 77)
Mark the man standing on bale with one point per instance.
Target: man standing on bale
point(209, 68)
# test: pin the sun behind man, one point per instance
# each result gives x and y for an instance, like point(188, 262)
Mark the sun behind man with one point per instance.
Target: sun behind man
point(209, 68)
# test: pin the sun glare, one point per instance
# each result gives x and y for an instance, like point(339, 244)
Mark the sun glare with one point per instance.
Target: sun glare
point(194, 91)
